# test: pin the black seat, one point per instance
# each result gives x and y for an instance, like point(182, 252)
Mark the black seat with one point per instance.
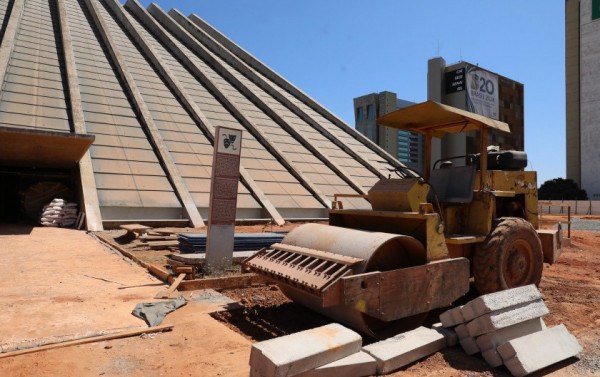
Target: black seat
point(453, 185)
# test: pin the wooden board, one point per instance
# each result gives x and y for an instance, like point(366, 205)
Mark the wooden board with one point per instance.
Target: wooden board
point(159, 244)
point(166, 293)
point(362, 294)
point(146, 238)
point(408, 291)
point(415, 290)
point(93, 339)
point(137, 229)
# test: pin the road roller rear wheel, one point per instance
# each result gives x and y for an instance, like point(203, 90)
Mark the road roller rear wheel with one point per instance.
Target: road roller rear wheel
point(511, 256)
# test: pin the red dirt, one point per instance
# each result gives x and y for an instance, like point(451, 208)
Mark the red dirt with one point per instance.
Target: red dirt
point(199, 345)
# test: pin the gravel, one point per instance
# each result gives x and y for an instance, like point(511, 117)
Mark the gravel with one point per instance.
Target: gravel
point(579, 224)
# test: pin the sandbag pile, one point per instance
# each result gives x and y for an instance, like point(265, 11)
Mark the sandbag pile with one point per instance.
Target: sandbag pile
point(59, 213)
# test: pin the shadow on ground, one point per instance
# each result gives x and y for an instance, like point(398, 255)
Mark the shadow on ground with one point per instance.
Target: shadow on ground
point(10, 229)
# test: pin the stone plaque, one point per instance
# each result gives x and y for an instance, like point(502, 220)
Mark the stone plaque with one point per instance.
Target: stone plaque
point(223, 199)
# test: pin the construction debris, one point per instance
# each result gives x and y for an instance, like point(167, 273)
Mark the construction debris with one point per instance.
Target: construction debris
point(154, 312)
point(359, 364)
point(136, 229)
point(488, 343)
point(506, 327)
point(166, 293)
point(498, 301)
point(448, 333)
point(59, 213)
point(92, 339)
point(196, 242)
point(500, 319)
point(403, 349)
point(305, 350)
point(538, 350)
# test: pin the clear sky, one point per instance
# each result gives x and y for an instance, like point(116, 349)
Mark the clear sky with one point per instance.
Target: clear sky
point(336, 50)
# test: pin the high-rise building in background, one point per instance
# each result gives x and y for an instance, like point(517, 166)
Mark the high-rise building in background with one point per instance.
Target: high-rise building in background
point(582, 74)
point(406, 146)
point(469, 87)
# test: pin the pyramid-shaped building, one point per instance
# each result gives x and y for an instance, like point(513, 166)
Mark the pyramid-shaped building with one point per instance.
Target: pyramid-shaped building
point(144, 90)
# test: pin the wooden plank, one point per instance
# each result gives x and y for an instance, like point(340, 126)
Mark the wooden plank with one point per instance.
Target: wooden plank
point(362, 292)
point(227, 282)
point(409, 291)
point(158, 272)
point(137, 229)
point(92, 339)
point(165, 293)
point(146, 238)
point(158, 244)
point(461, 239)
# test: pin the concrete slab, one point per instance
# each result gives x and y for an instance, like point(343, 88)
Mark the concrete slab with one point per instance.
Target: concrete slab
point(467, 342)
point(506, 317)
point(469, 345)
point(452, 317)
point(356, 365)
point(448, 333)
point(305, 350)
point(492, 358)
point(403, 349)
point(488, 343)
point(536, 351)
point(499, 300)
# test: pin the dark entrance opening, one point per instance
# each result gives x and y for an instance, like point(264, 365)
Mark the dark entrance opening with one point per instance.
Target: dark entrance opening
point(37, 166)
point(24, 192)
point(9, 194)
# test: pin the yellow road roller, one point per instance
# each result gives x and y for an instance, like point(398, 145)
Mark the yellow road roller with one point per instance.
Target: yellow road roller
point(381, 270)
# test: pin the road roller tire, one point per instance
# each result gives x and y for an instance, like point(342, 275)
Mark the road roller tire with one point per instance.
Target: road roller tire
point(511, 256)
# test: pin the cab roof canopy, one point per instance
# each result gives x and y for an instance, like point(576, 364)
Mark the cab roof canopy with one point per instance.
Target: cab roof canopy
point(431, 116)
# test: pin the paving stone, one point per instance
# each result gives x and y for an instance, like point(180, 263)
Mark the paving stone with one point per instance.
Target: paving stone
point(492, 358)
point(488, 343)
point(356, 365)
point(448, 333)
point(536, 351)
point(462, 331)
point(467, 342)
point(403, 349)
point(506, 317)
point(499, 300)
point(452, 317)
point(296, 353)
point(469, 345)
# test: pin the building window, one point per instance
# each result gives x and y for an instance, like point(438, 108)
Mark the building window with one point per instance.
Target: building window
point(360, 113)
point(370, 112)
point(595, 9)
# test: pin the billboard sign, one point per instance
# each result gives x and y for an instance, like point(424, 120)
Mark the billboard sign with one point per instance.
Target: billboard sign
point(455, 81)
point(482, 92)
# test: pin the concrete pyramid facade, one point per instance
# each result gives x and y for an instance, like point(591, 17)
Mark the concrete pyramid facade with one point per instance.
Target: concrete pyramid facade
point(151, 86)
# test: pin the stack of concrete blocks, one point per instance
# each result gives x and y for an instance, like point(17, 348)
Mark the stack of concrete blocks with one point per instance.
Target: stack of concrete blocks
point(334, 350)
point(507, 328)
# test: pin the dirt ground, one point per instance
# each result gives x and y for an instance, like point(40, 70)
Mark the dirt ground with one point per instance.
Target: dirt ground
point(208, 343)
